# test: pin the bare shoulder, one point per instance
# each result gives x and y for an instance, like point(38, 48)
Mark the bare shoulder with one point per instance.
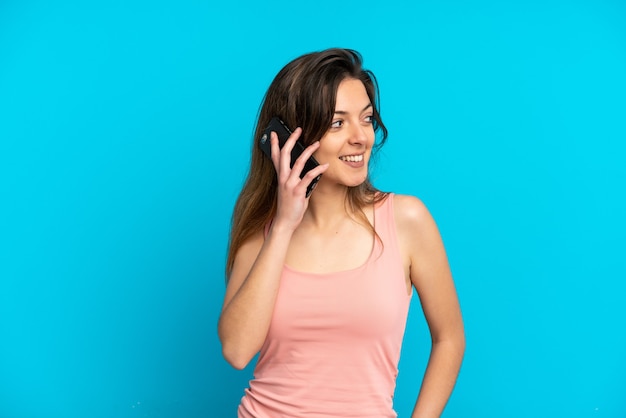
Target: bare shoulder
point(417, 231)
point(252, 245)
point(410, 212)
point(248, 252)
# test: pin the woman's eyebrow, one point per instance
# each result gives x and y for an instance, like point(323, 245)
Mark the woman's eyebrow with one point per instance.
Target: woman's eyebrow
point(343, 112)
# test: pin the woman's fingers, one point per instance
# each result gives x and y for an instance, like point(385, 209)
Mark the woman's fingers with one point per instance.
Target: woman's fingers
point(275, 148)
point(281, 157)
point(288, 175)
point(298, 166)
point(285, 151)
point(309, 177)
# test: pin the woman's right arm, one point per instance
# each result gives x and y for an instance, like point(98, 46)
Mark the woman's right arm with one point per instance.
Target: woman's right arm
point(251, 294)
point(253, 284)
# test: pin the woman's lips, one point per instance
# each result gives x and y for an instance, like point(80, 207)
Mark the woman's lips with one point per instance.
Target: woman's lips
point(354, 161)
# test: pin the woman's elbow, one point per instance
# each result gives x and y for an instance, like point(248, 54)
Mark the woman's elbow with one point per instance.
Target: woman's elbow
point(236, 358)
point(455, 342)
point(237, 363)
point(238, 350)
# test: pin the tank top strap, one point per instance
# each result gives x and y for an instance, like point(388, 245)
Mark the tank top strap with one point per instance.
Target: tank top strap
point(385, 224)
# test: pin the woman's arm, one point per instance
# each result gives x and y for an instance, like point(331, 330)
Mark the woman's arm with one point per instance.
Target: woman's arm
point(251, 294)
point(255, 277)
point(430, 274)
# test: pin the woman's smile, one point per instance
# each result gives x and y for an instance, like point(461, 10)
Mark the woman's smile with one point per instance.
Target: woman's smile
point(354, 161)
point(352, 158)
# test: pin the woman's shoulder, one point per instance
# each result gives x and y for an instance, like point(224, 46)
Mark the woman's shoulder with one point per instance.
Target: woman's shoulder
point(415, 225)
point(409, 210)
point(245, 255)
point(251, 246)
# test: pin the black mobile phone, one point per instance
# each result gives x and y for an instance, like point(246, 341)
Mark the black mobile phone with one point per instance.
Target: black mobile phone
point(277, 125)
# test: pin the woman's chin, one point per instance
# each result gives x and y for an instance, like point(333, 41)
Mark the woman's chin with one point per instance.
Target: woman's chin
point(345, 181)
point(356, 182)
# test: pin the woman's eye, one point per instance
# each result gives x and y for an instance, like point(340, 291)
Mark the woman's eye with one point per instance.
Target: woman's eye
point(336, 124)
point(369, 118)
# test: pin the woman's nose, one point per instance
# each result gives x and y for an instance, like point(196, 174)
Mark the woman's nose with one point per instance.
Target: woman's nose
point(357, 134)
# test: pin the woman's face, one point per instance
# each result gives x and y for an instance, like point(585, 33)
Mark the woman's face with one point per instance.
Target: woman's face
point(347, 145)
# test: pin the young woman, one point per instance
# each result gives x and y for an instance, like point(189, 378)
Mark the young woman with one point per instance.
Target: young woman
point(321, 285)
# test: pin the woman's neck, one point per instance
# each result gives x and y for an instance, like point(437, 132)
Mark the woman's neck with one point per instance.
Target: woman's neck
point(326, 208)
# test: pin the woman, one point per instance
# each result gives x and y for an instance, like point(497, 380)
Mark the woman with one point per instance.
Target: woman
point(321, 285)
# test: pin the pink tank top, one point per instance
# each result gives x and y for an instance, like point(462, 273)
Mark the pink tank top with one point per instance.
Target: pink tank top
point(333, 346)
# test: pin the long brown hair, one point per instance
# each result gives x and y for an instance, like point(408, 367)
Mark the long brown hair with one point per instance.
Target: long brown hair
point(302, 94)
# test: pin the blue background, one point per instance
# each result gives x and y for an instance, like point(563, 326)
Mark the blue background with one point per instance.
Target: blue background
point(125, 130)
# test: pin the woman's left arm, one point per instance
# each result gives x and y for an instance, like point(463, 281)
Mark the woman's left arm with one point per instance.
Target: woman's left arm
point(430, 274)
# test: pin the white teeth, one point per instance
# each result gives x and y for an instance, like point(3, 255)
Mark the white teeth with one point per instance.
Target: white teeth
point(352, 158)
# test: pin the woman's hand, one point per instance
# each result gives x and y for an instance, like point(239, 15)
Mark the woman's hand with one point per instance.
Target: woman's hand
point(292, 200)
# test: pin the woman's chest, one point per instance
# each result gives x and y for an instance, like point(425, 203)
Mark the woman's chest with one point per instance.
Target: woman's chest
point(343, 250)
